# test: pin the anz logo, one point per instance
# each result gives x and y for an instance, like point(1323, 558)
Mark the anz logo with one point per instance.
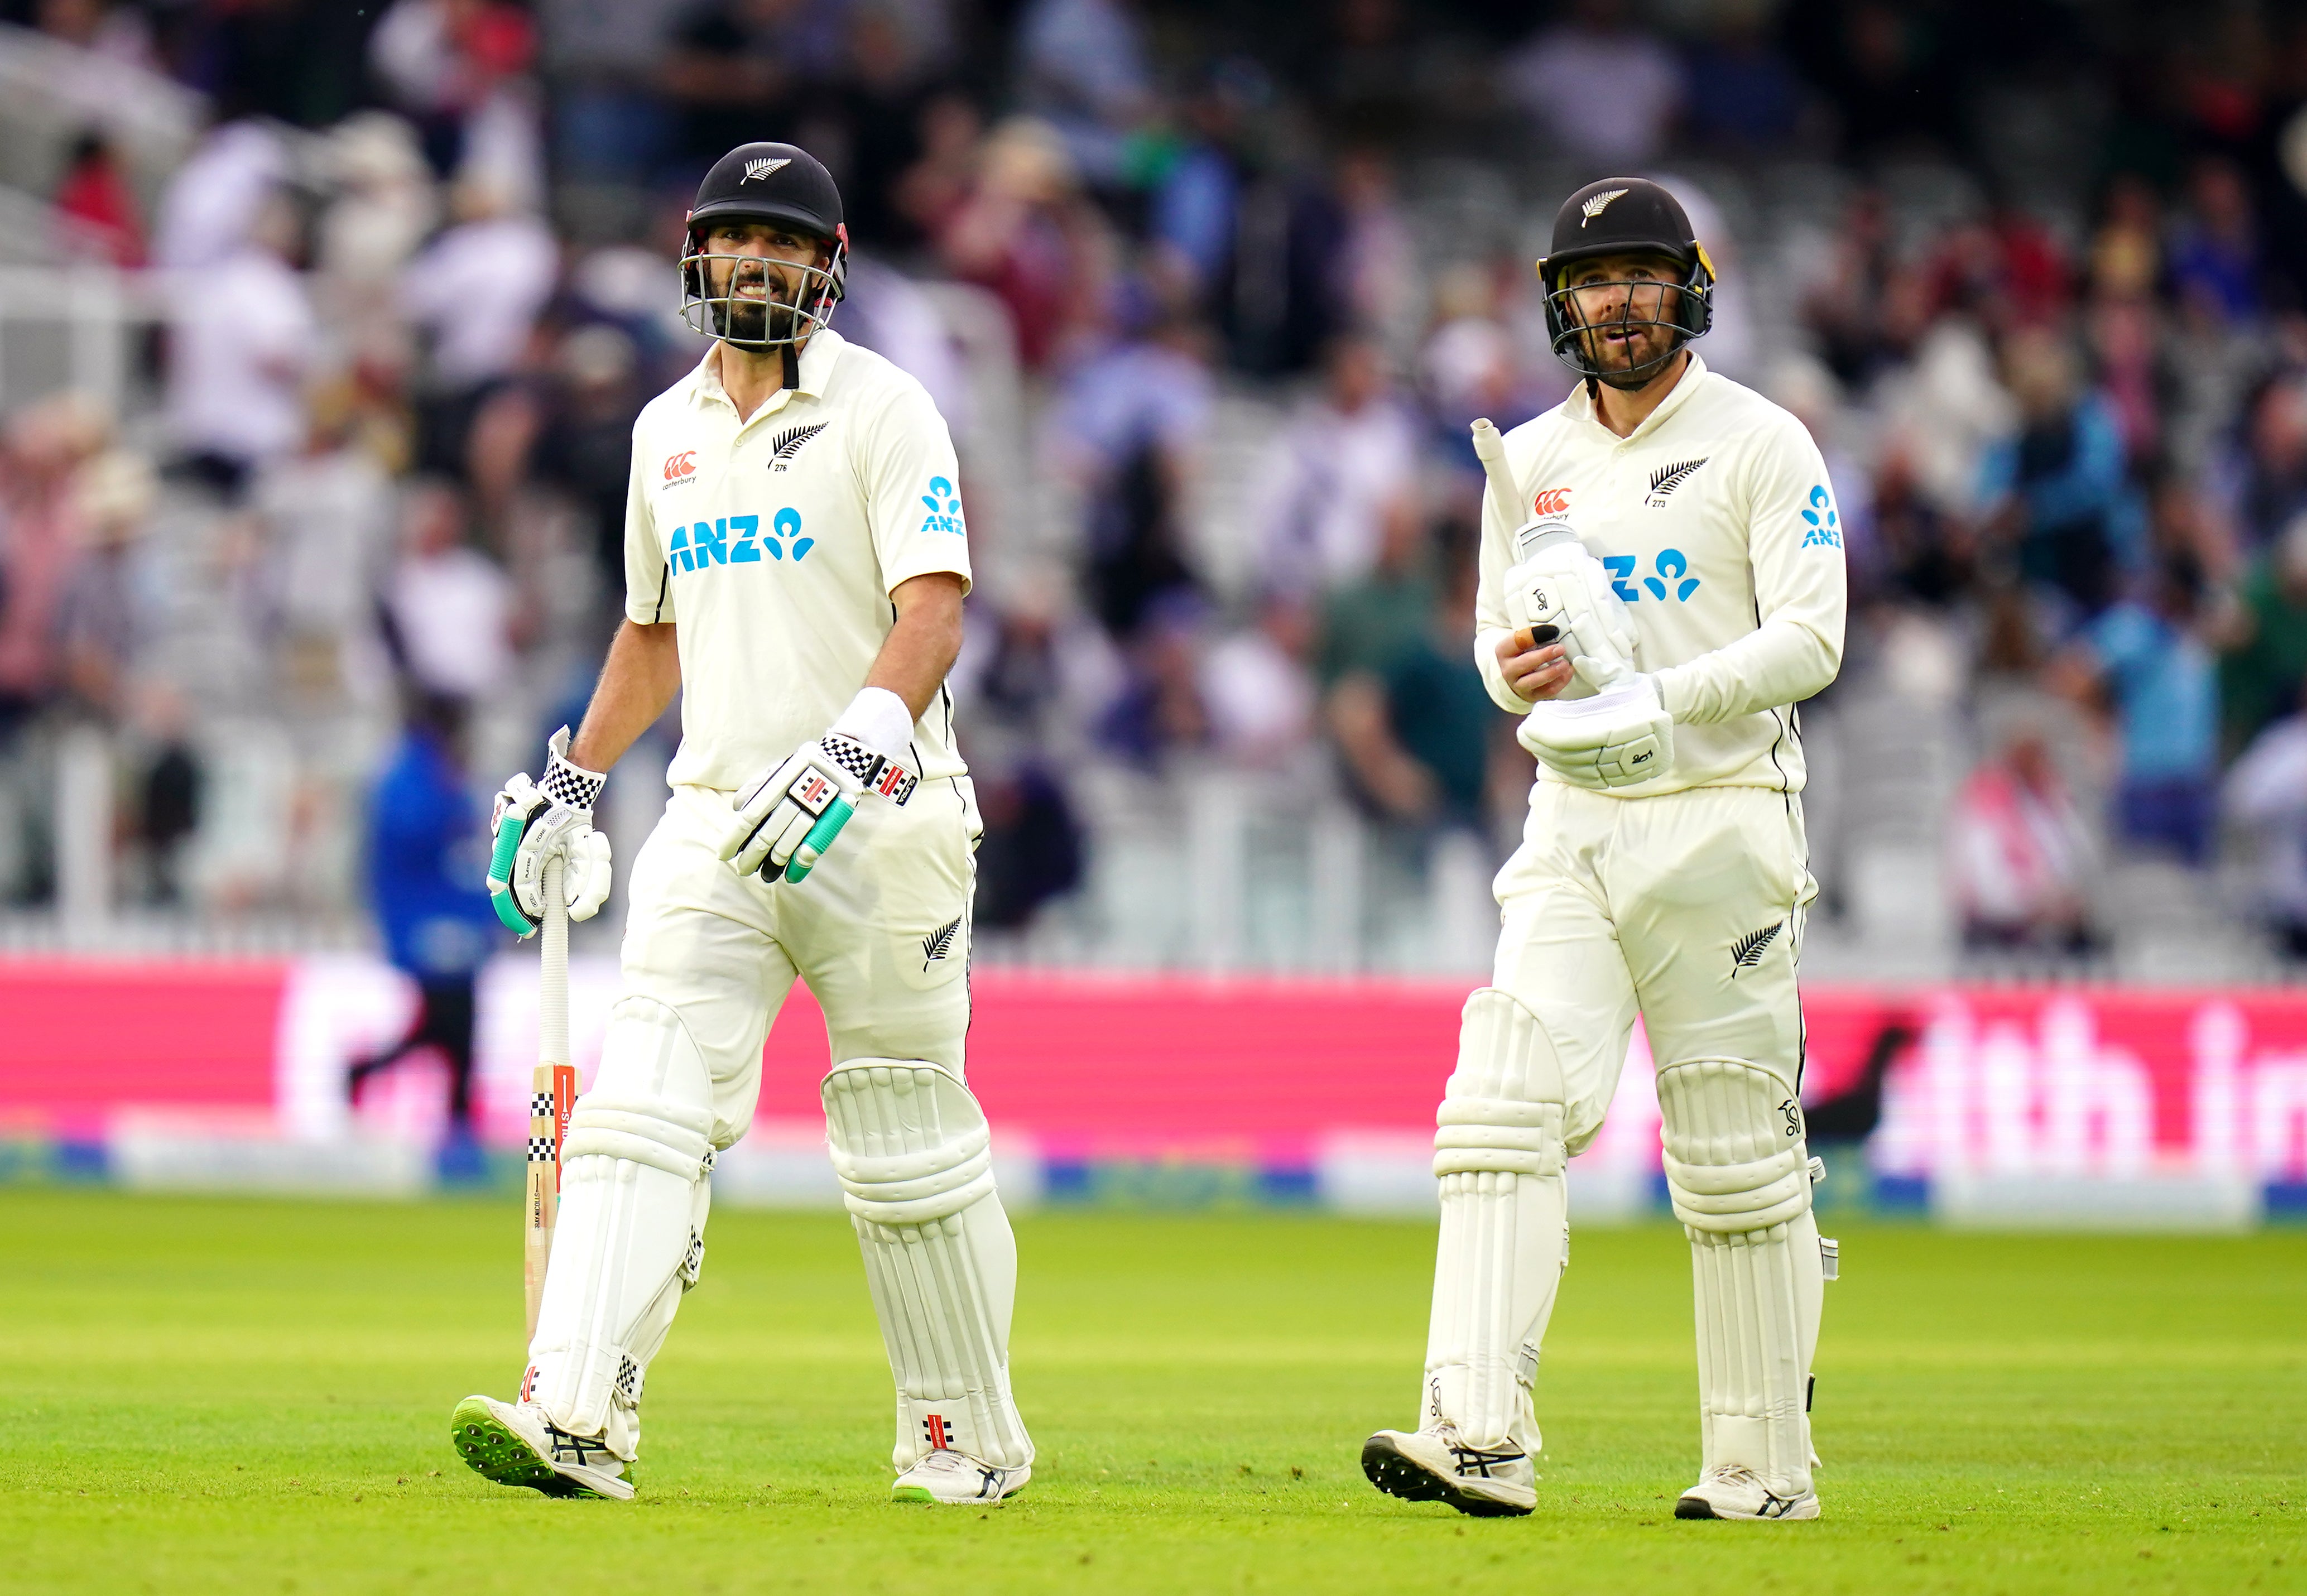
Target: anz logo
point(737, 540)
point(1672, 576)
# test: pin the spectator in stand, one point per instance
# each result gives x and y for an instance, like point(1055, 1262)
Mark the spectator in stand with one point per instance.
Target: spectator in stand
point(2018, 856)
point(1258, 688)
point(326, 517)
point(2266, 488)
point(1335, 479)
point(456, 67)
point(215, 198)
point(46, 445)
point(2004, 268)
point(580, 415)
point(104, 618)
point(1126, 430)
point(2213, 260)
point(425, 870)
point(1890, 69)
point(1604, 90)
point(2147, 664)
point(1366, 81)
point(447, 607)
point(242, 341)
point(1413, 723)
point(95, 209)
point(1744, 97)
point(934, 189)
point(741, 69)
point(1026, 233)
point(1082, 69)
point(382, 208)
point(892, 56)
point(2267, 793)
point(2058, 494)
point(2265, 663)
point(476, 290)
point(1366, 625)
point(1159, 712)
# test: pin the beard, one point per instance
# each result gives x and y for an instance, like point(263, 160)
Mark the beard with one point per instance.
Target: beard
point(755, 321)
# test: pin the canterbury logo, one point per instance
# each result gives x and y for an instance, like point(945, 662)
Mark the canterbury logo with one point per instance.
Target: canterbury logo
point(939, 943)
point(762, 168)
point(788, 444)
point(1747, 951)
point(1600, 202)
point(1667, 478)
point(1550, 501)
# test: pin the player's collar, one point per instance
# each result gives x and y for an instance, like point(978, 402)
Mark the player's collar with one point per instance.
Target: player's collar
point(1581, 403)
point(816, 369)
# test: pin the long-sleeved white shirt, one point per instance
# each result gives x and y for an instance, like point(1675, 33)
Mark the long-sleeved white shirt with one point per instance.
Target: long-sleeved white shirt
point(1717, 524)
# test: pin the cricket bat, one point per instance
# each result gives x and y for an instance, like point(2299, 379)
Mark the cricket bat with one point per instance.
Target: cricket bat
point(554, 1093)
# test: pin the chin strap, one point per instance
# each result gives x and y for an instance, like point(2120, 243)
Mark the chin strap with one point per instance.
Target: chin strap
point(793, 367)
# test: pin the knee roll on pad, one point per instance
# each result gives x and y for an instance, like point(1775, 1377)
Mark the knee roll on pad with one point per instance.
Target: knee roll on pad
point(1739, 1176)
point(631, 1234)
point(1498, 1156)
point(1734, 1151)
point(914, 1154)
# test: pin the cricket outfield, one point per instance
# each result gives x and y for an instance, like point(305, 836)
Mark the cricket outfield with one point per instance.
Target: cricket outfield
point(236, 1396)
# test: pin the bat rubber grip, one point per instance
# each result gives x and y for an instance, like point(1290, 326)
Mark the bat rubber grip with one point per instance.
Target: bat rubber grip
point(819, 838)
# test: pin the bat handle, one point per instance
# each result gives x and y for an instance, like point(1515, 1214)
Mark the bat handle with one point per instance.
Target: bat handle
point(553, 994)
point(1490, 449)
point(554, 1088)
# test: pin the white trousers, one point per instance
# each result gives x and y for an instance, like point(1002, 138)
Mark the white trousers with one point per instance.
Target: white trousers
point(879, 930)
point(1614, 907)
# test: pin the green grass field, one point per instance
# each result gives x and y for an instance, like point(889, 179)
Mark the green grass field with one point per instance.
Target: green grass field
point(253, 1396)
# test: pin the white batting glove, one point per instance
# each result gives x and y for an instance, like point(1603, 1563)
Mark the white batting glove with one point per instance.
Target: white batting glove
point(535, 822)
point(1555, 582)
point(1619, 738)
point(788, 816)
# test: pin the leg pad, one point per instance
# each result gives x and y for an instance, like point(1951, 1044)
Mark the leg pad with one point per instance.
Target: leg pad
point(912, 1150)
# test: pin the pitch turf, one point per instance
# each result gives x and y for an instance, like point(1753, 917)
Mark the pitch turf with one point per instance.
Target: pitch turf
point(250, 1397)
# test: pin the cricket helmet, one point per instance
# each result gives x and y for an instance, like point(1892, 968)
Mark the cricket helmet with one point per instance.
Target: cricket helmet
point(779, 183)
point(1620, 216)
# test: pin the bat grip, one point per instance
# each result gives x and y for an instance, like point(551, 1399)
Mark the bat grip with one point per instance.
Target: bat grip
point(552, 992)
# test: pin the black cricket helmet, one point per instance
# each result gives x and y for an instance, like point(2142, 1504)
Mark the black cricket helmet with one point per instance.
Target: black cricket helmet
point(779, 183)
point(1620, 216)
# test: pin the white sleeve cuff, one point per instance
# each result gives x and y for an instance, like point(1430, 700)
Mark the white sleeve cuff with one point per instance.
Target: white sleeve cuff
point(878, 718)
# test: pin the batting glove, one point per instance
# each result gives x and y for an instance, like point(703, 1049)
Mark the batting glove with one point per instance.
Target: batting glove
point(788, 816)
point(1619, 738)
point(534, 822)
point(1555, 582)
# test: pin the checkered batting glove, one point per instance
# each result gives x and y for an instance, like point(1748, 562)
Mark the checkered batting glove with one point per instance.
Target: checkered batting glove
point(788, 816)
point(534, 821)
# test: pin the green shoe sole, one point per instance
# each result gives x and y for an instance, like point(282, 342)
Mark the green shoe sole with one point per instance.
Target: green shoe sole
point(494, 1453)
point(910, 1493)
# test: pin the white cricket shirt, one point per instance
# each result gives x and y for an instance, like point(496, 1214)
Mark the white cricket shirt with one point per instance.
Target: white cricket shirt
point(1717, 524)
point(775, 545)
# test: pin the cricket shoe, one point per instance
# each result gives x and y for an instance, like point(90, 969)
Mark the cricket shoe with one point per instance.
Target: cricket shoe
point(957, 1479)
point(1729, 1492)
point(515, 1444)
point(1434, 1465)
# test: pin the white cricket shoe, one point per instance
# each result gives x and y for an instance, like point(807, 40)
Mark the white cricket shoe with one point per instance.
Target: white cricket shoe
point(1729, 1492)
point(955, 1478)
point(515, 1444)
point(1434, 1465)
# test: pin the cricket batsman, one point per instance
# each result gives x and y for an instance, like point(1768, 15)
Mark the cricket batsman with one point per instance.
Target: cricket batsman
point(795, 562)
point(1662, 583)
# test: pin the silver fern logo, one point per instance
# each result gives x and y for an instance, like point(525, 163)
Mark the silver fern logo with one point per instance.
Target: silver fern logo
point(1747, 951)
point(1667, 478)
point(757, 169)
point(939, 943)
point(788, 443)
point(1597, 204)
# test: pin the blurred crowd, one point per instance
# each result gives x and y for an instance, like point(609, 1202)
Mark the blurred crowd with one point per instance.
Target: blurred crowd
point(1211, 299)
